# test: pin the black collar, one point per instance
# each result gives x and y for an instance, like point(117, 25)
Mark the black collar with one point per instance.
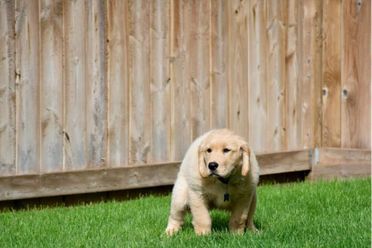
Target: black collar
point(223, 180)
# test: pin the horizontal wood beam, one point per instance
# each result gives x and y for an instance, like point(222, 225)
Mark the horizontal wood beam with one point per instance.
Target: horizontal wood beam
point(87, 181)
point(339, 171)
point(283, 162)
point(129, 177)
point(143, 176)
point(328, 156)
point(330, 163)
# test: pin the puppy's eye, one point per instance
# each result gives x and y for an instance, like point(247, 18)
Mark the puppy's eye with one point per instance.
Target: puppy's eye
point(209, 150)
point(226, 150)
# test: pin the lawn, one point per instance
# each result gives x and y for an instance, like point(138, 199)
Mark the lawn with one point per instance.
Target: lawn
point(322, 214)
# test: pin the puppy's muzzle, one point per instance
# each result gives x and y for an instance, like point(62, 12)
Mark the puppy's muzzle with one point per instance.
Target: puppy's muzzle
point(213, 166)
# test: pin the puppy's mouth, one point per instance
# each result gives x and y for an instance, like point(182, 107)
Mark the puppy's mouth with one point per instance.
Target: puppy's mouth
point(222, 179)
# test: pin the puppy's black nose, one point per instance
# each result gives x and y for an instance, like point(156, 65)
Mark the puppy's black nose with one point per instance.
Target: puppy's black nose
point(212, 166)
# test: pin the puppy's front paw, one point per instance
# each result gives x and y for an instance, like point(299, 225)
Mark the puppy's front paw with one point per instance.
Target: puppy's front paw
point(171, 230)
point(202, 231)
point(252, 228)
point(237, 231)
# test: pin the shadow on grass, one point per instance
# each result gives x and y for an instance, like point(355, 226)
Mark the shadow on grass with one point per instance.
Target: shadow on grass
point(220, 222)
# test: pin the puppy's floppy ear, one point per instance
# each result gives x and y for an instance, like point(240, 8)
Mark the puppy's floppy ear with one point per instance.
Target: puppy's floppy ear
point(201, 163)
point(245, 157)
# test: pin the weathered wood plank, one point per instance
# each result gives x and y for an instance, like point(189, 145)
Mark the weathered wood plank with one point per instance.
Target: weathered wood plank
point(332, 163)
point(328, 156)
point(129, 177)
point(87, 181)
point(257, 98)
point(51, 85)
point(96, 88)
point(75, 75)
point(27, 85)
point(311, 62)
point(331, 82)
point(293, 76)
point(160, 80)
point(276, 86)
point(356, 75)
point(139, 80)
point(340, 171)
point(219, 66)
point(281, 162)
point(352, 163)
point(180, 69)
point(118, 83)
point(7, 90)
point(238, 65)
point(199, 62)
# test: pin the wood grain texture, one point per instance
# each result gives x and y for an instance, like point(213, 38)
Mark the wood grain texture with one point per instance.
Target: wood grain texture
point(87, 181)
point(27, 86)
point(132, 177)
point(335, 156)
point(198, 17)
point(282, 162)
point(356, 75)
point(356, 163)
point(340, 171)
point(139, 79)
point(238, 65)
point(180, 71)
point(96, 88)
point(257, 105)
point(293, 74)
point(331, 82)
point(51, 85)
point(160, 80)
point(75, 76)
point(311, 62)
point(7, 89)
point(219, 64)
point(276, 75)
point(118, 83)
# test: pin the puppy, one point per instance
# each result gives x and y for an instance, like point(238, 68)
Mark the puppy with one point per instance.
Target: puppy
point(219, 170)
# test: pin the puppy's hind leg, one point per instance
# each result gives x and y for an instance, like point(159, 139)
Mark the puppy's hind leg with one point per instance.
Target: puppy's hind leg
point(178, 207)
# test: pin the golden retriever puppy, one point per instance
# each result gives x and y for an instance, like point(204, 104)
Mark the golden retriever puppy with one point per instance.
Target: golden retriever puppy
point(219, 170)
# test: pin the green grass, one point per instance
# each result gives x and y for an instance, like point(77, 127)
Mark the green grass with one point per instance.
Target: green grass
point(323, 214)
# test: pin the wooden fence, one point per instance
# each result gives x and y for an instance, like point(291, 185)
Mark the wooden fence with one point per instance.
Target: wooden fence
point(104, 84)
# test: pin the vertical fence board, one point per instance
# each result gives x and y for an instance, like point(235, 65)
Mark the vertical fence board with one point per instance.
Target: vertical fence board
point(198, 45)
point(96, 90)
point(331, 88)
point(7, 89)
point(219, 52)
point(118, 98)
point(109, 83)
point(257, 75)
point(181, 128)
point(75, 26)
point(51, 85)
point(292, 59)
point(356, 75)
point(160, 79)
point(311, 73)
point(276, 72)
point(27, 82)
point(139, 79)
point(238, 65)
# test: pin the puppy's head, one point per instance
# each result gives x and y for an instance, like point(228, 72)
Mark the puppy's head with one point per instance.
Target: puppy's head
point(223, 154)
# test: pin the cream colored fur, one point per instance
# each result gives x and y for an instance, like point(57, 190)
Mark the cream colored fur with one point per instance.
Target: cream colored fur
point(198, 188)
